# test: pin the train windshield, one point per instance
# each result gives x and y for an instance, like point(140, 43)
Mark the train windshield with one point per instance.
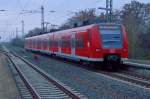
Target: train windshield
point(111, 36)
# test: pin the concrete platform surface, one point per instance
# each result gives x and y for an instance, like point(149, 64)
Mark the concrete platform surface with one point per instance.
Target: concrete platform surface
point(8, 89)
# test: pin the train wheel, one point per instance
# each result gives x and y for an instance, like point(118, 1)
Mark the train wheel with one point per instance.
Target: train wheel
point(109, 66)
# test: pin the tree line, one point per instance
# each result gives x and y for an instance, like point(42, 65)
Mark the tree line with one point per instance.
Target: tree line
point(135, 16)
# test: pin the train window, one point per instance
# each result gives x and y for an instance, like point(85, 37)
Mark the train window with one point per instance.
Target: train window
point(50, 43)
point(30, 43)
point(65, 44)
point(33, 42)
point(111, 38)
point(37, 43)
point(45, 42)
point(79, 43)
point(68, 43)
point(59, 43)
point(88, 35)
point(55, 43)
point(40, 43)
point(69, 46)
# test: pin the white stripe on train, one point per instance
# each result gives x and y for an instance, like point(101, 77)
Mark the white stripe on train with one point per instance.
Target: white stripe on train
point(74, 57)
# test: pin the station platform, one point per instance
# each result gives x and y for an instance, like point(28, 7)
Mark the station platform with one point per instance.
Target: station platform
point(8, 89)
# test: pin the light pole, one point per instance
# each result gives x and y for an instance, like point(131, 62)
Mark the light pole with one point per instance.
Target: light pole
point(108, 9)
point(38, 11)
point(42, 18)
point(22, 22)
point(1, 10)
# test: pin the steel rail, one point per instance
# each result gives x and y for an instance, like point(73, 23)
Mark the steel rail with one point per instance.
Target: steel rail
point(69, 92)
point(35, 95)
point(128, 78)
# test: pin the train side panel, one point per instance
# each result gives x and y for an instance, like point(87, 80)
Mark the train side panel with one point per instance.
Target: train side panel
point(96, 46)
point(87, 43)
point(125, 44)
point(65, 45)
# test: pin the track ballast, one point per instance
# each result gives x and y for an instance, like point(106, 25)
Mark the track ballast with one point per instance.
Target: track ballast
point(41, 85)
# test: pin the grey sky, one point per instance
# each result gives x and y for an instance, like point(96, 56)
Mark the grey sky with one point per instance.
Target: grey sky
point(10, 19)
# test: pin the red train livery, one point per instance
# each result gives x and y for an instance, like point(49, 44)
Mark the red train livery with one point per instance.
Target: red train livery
point(94, 43)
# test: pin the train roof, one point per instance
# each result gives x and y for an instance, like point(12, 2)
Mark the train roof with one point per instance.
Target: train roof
point(68, 30)
point(75, 29)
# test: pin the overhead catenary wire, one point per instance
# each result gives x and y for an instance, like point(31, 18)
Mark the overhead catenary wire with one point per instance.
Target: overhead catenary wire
point(18, 15)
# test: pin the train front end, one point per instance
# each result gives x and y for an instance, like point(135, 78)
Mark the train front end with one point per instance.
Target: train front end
point(113, 43)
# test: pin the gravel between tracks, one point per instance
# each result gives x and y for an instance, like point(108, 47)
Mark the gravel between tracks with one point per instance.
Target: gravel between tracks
point(141, 72)
point(89, 83)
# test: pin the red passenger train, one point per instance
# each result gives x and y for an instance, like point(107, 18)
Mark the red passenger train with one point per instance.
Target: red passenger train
point(92, 43)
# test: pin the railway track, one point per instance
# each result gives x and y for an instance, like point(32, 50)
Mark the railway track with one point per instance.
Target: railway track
point(39, 84)
point(122, 76)
point(129, 78)
point(125, 76)
point(24, 92)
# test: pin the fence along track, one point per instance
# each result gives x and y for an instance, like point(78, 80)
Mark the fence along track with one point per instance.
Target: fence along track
point(39, 83)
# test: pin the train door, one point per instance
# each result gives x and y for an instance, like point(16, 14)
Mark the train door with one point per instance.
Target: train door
point(73, 44)
point(59, 44)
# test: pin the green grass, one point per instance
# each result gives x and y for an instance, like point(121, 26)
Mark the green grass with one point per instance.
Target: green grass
point(139, 61)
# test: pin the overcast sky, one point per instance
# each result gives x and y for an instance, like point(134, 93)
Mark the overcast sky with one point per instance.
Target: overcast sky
point(11, 18)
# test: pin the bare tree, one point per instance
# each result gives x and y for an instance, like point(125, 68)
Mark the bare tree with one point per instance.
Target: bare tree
point(135, 17)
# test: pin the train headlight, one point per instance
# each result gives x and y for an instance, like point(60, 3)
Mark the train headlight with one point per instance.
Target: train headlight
point(125, 50)
point(88, 44)
point(97, 50)
point(112, 57)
